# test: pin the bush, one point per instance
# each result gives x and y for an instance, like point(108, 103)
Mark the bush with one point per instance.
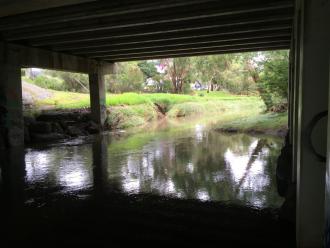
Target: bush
point(48, 82)
point(273, 82)
point(74, 82)
point(129, 78)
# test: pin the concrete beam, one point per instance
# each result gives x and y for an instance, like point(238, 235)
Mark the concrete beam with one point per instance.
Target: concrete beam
point(231, 39)
point(190, 48)
point(134, 43)
point(40, 58)
point(198, 52)
point(89, 10)
point(178, 46)
point(14, 7)
point(165, 32)
point(199, 11)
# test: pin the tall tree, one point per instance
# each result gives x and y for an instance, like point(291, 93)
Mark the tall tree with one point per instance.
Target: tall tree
point(270, 70)
point(128, 78)
point(148, 68)
point(177, 69)
point(211, 69)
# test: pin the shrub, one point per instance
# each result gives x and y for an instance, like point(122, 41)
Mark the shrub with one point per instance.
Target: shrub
point(48, 82)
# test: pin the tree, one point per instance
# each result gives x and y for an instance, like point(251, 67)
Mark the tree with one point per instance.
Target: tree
point(269, 71)
point(76, 82)
point(273, 81)
point(177, 69)
point(128, 78)
point(148, 68)
point(211, 69)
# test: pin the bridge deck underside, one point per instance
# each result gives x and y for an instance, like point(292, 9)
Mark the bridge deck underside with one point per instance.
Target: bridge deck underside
point(140, 29)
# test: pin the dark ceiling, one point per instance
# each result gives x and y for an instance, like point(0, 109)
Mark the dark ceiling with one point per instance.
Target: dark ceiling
point(141, 29)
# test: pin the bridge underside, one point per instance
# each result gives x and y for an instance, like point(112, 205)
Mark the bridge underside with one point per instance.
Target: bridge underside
point(134, 30)
point(89, 36)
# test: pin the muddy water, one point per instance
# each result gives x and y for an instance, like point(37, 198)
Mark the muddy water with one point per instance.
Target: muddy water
point(190, 162)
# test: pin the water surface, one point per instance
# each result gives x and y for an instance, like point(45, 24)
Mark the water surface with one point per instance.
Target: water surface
point(190, 162)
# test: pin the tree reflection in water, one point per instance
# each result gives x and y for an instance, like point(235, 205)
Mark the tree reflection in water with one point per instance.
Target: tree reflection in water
point(207, 165)
point(191, 163)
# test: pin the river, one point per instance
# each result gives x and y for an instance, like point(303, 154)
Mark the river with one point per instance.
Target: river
point(172, 159)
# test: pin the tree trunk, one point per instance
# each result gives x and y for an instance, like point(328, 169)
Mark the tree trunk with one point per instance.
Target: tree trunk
point(175, 87)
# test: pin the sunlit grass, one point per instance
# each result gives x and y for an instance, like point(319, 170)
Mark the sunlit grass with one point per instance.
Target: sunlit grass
point(243, 113)
point(259, 122)
point(67, 100)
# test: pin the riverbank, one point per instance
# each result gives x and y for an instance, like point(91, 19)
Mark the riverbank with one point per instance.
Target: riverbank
point(263, 123)
point(66, 114)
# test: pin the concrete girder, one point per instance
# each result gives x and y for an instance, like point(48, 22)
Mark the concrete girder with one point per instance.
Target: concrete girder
point(89, 10)
point(191, 48)
point(199, 53)
point(189, 42)
point(201, 11)
point(15, 7)
point(161, 32)
point(40, 58)
point(170, 48)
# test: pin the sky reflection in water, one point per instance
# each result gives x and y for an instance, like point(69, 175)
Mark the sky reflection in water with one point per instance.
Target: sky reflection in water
point(191, 163)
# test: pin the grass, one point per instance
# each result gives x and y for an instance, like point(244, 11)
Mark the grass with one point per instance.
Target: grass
point(67, 100)
point(259, 122)
point(123, 117)
point(133, 109)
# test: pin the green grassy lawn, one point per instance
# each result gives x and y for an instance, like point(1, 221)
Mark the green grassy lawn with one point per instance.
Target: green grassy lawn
point(67, 100)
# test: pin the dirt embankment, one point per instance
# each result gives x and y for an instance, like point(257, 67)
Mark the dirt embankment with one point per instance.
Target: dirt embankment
point(32, 93)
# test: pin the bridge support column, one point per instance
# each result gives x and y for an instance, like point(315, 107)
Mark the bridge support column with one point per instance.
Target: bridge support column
point(11, 106)
point(312, 93)
point(97, 96)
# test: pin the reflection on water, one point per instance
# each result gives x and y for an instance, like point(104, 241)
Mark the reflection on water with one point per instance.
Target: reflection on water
point(67, 167)
point(186, 163)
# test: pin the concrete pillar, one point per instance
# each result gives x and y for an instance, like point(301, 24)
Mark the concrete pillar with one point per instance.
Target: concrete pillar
point(313, 25)
point(11, 108)
point(97, 96)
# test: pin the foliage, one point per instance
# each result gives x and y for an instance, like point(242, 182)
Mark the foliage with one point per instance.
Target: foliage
point(74, 82)
point(211, 69)
point(266, 73)
point(128, 78)
point(177, 70)
point(254, 73)
point(148, 68)
point(131, 116)
point(48, 82)
point(273, 80)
